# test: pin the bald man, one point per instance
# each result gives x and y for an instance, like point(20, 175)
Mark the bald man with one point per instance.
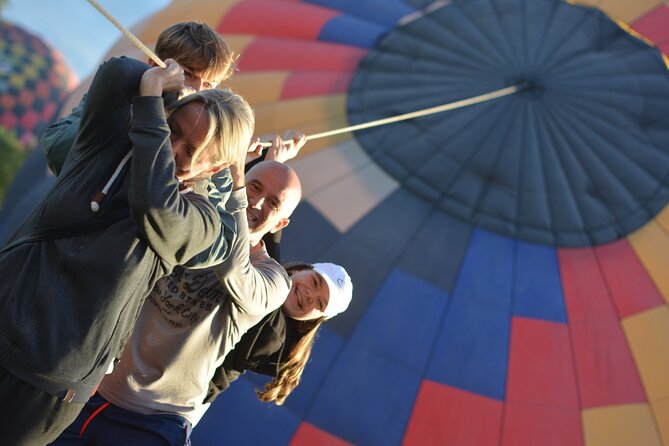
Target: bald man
point(191, 320)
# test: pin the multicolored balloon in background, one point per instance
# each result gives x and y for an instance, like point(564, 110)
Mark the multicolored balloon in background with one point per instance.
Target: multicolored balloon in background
point(34, 82)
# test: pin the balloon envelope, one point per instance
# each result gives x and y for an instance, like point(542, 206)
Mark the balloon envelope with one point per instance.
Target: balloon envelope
point(509, 284)
point(34, 81)
point(509, 267)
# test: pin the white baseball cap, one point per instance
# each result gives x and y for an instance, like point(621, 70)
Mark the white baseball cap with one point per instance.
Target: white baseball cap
point(340, 286)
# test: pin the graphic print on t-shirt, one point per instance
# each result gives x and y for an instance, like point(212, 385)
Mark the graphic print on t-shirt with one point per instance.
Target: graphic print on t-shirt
point(186, 296)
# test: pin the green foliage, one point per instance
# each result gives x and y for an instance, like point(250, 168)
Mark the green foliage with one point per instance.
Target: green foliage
point(12, 155)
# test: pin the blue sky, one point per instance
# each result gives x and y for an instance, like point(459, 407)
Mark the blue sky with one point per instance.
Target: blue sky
point(77, 29)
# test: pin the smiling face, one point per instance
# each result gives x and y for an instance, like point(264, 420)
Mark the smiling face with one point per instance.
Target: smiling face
point(273, 192)
point(189, 126)
point(308, 297)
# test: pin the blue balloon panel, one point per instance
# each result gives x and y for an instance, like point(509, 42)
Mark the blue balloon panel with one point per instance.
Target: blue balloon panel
point(537, 286)
point(383, 12)
point(351, 31)
point(436, 251)
point(384, 352)
point(471, 350)
point(242, 419)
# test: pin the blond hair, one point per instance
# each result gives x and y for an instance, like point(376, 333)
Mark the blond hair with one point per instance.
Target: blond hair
point(231, 123)
point(290, 372)
point(196, 46)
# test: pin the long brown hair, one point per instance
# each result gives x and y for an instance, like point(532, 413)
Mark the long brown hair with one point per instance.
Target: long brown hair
point(290, 371)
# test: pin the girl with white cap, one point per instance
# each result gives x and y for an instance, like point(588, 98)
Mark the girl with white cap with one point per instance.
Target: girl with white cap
point(280, 345)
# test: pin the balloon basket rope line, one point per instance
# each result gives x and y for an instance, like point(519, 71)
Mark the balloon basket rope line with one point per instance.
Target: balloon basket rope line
point(418, 113)
point(143, 48)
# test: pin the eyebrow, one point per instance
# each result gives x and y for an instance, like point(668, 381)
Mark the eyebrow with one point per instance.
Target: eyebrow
point(321, 282)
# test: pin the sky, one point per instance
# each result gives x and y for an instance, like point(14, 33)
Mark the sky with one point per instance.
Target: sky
point(77, 29)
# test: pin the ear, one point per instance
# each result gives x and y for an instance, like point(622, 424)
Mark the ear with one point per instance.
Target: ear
point(280, 225)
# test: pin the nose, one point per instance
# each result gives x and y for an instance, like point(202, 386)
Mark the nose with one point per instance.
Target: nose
point(257, 203)
point(181, 163)
point(311, 300)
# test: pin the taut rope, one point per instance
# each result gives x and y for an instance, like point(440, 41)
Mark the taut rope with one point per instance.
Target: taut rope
point(403, 117)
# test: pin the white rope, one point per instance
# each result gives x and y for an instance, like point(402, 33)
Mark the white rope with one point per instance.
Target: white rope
point(150, 54)
point(417, 114)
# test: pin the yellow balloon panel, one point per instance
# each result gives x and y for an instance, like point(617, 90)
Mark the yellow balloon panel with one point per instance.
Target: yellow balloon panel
point(341, 160)
point(661, 411)
point(628, 10)
point(648, 337)
point(210, 12)
point(310, 115)
point(651, 244)
point(347, 201)
point(622, 425)
point(260, 87)
point(238, 42)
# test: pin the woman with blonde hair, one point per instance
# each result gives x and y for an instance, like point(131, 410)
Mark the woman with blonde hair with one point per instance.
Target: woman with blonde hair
point(113, 224)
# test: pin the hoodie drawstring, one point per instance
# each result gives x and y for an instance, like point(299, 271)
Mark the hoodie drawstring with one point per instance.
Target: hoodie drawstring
point(100, 196)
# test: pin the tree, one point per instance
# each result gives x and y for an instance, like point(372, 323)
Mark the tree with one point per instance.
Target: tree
point(12, 155)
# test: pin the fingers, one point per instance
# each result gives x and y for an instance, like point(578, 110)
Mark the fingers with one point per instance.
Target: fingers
point(156, 81)
point(254, 145)
point(172, 76)
point(254, 151)
point(294, 136)
point(186, 91)
point(283, 147)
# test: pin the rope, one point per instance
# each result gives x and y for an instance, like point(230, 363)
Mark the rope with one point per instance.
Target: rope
point(418, 113)
point(150, 54)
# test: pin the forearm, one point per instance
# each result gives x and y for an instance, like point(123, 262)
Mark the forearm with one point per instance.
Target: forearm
point(227, 194)
point(176, 226)
point(227, 203)
point(237, 174)
point(107, 107)
point(257, 288)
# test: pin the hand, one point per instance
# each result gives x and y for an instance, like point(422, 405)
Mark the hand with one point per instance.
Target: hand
point(282, 149)
point(255, 150)
point(157, 80)
point(286, 148)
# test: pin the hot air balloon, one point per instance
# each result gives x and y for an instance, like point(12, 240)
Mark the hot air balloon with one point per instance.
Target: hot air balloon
point(508, 258)
point(34, 81)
